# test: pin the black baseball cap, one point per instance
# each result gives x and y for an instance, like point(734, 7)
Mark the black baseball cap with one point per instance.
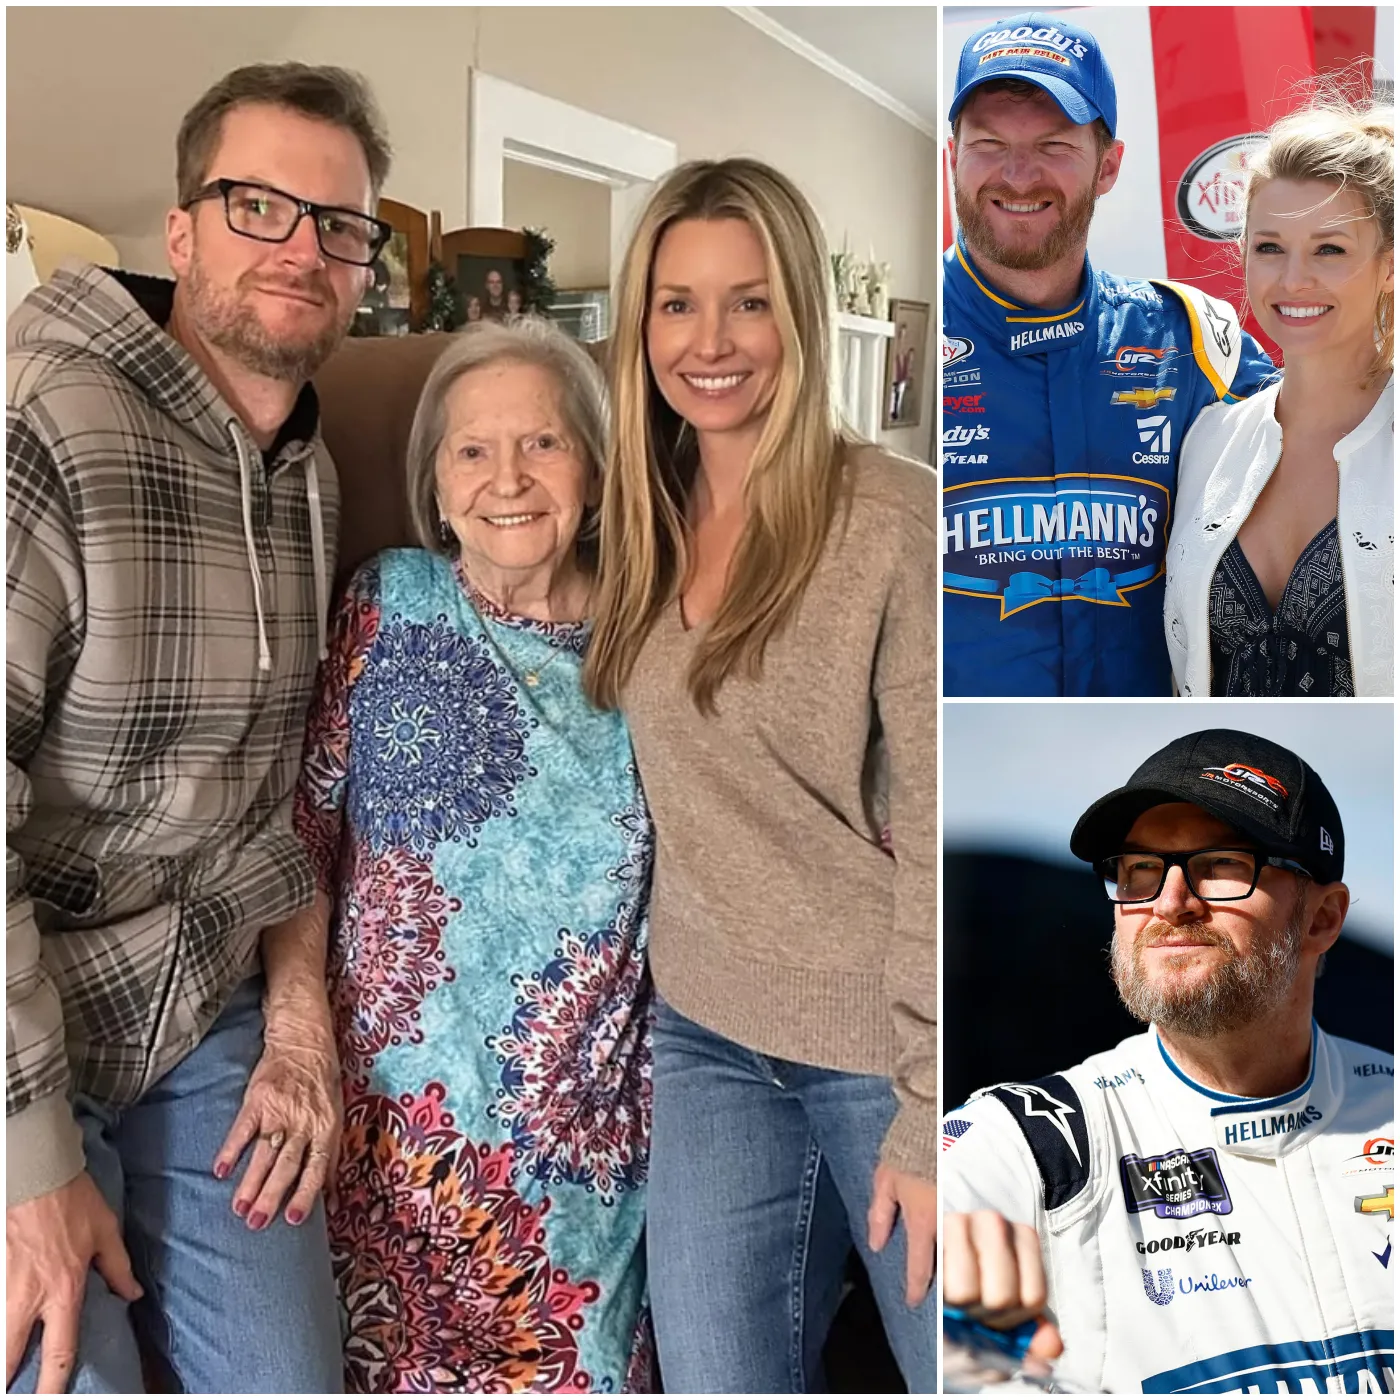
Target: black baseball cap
point(1265, 791)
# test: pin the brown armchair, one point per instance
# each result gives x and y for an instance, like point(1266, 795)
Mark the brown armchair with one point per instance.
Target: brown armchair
point(369, 389)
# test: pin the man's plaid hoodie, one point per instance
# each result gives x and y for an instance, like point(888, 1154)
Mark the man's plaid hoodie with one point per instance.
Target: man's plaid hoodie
point(165, 602)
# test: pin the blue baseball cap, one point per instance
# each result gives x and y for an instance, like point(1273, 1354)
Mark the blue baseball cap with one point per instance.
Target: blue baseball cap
point(1046, 50)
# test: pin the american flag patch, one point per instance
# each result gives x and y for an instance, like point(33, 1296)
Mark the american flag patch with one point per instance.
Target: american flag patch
point(953, 1129)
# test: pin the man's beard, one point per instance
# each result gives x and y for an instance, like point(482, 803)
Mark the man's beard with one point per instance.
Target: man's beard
point(227, 319)
point(1243, 989)
point(1068, 234)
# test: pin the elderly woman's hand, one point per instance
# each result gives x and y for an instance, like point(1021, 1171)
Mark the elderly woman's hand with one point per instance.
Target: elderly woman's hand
point(292, 1113)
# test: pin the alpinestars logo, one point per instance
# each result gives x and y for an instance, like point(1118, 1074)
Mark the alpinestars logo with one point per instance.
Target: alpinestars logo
point(1155, 434)
point(1040, 1104)
point(1222, 329)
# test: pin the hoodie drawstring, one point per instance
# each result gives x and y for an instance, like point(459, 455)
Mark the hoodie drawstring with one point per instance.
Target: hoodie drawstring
point(246, 491)
point(318, 554)
point(318, 550)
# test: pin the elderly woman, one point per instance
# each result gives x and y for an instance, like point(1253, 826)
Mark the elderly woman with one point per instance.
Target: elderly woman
point(484, 860)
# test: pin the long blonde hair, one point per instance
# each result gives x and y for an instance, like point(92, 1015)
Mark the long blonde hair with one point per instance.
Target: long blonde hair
point(794, 481)
point(1352, 147)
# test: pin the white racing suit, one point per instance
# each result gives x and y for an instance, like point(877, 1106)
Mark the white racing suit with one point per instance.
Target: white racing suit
point(1195, 1242)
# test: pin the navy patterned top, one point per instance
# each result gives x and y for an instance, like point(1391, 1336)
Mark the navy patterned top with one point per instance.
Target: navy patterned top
point(1299, 650)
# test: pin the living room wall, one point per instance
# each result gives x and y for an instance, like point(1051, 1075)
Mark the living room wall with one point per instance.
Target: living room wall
point(94, 97)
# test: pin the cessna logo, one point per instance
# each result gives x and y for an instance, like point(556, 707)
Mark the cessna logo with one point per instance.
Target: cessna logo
point(1143, 398)
point(1155, 434)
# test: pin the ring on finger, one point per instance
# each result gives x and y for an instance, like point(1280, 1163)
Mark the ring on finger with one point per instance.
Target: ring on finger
point(275, 1140)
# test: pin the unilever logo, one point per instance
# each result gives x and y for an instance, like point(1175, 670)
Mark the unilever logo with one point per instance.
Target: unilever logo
point(1161, 1292)
point(1077, 537)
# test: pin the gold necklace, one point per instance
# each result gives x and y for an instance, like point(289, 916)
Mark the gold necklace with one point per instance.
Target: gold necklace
point(532, 678)
point(491, 612)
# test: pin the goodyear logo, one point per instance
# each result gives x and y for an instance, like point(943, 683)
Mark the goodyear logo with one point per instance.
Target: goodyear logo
point(1076, 537)
point(1143, 398)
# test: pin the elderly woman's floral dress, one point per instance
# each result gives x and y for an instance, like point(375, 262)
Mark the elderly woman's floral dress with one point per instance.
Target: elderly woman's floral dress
point(481, 831)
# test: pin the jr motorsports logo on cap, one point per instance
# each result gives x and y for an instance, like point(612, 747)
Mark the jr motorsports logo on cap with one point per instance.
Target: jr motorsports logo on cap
point(1254, 782)
point(1052, 539)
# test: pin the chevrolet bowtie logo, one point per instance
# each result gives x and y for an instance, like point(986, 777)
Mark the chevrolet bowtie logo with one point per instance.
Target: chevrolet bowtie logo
point(1143, 398)
point(1377, 1205)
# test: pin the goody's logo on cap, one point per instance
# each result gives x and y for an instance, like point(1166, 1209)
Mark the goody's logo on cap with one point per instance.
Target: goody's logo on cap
point(1061, 58)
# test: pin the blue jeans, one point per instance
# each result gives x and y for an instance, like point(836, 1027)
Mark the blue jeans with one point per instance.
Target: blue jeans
point(759, 1184)
point(226, 1308)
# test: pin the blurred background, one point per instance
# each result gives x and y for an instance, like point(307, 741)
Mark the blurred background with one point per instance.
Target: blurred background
point(1026, 927)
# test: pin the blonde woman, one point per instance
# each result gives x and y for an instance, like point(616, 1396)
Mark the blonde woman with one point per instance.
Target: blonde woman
point(766, 619)
point(1280, 571)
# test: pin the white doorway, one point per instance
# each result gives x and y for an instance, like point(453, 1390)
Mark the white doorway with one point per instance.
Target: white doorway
point(511, 123)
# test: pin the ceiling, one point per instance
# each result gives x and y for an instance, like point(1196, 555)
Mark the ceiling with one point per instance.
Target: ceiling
point(894, 47)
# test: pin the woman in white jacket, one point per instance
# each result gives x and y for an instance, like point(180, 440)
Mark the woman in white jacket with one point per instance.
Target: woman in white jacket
point(1280, 569)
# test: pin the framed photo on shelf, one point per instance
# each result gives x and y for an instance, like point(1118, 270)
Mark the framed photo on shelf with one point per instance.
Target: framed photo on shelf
point(904, 365)
point(397, 300)
point(487, 266)
point(583, 313)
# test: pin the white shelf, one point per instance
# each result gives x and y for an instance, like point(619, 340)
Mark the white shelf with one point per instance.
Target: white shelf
point(864, 325)
point(862, 349)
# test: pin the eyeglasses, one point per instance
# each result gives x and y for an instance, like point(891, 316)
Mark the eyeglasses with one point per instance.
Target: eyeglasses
point(271, 216)
point(1216, 875)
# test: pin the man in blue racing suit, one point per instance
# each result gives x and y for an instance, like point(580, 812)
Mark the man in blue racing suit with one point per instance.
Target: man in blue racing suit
point(1066, 392)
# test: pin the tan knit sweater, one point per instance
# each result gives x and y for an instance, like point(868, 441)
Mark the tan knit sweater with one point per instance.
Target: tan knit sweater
point(778, 917)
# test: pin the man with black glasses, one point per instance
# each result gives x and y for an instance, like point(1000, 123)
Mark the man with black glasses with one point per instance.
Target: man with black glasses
point(1206, 1207)
point(172, 1089)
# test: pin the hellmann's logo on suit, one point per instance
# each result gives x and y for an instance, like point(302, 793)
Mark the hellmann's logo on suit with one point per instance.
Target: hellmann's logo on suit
point(1056, 330)
point(1074, 538)
point(1269, 1125)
